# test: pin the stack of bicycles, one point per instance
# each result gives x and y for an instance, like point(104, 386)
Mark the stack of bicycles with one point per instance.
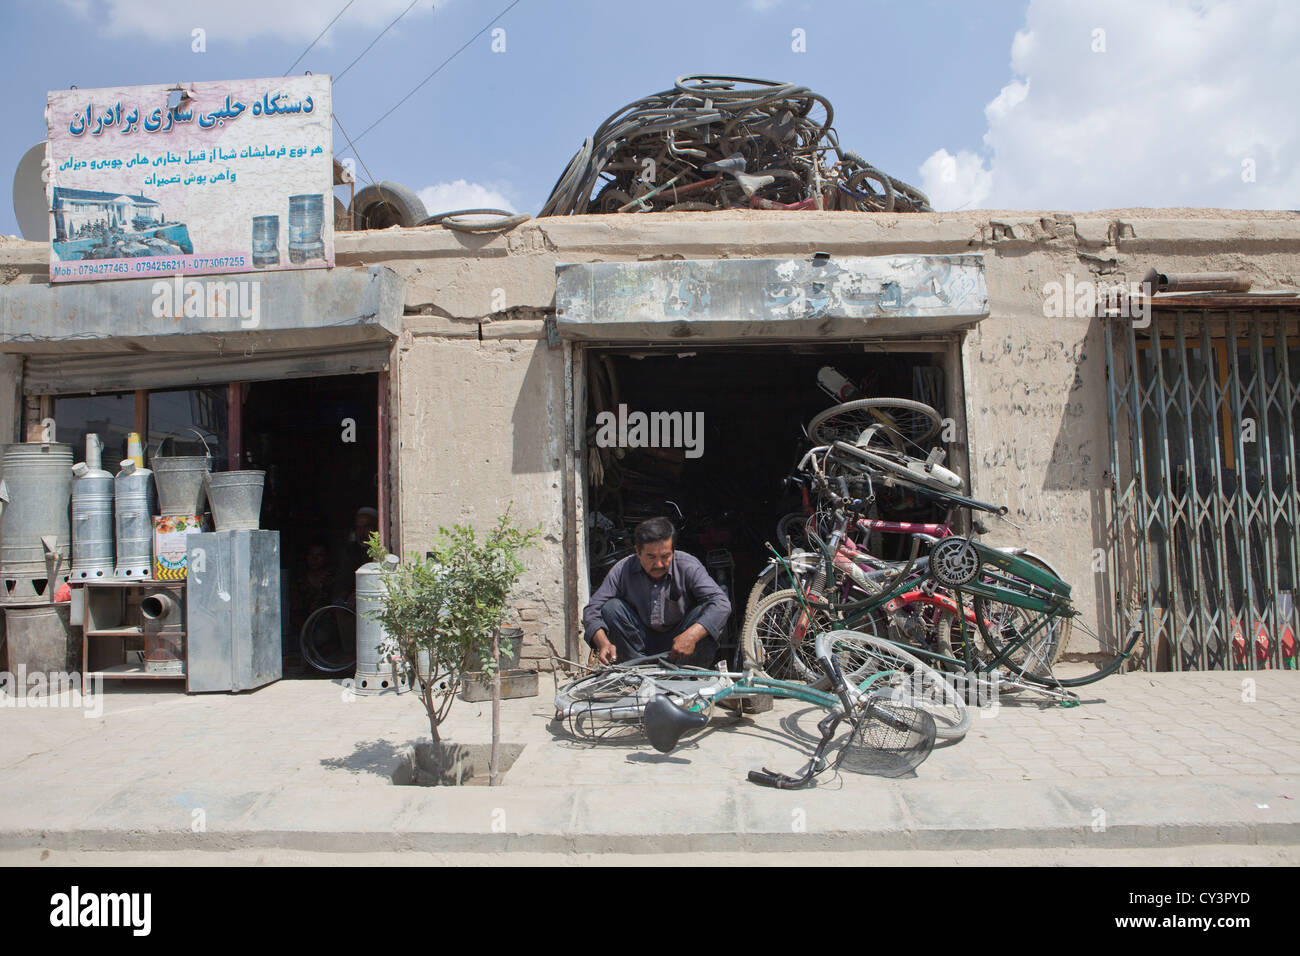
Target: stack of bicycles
point(896, 647)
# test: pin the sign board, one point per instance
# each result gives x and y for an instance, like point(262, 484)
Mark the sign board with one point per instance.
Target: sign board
point(200, 178)
point(847, 296)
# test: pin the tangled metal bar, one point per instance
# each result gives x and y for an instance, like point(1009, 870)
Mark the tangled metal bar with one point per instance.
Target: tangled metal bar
point(724, 142)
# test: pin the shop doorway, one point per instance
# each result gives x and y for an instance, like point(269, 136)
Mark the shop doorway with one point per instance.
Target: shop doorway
point(317, 439)
point(747, 407)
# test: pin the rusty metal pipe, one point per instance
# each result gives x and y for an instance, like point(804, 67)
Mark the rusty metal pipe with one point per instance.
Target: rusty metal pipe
point(1196, 281)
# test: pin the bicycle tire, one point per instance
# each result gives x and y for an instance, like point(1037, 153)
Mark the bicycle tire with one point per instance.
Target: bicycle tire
point(615, 698)
point(792, 526)
point(915, 422)
point(914, 682)
point(1038, 655)
point(777, 637)
point(767, 582)
point(313, 656)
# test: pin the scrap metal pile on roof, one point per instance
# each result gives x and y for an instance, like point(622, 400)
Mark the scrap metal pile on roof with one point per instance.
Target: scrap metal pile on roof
point(724, 142)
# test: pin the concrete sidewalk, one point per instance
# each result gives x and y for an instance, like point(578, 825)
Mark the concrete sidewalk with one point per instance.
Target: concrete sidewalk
point(1151, 760)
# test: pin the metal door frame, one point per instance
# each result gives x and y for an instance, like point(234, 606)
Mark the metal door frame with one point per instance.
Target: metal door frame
point(1201, 562)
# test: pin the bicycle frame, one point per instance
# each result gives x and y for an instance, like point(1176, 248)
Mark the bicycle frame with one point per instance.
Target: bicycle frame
point(1051, 607)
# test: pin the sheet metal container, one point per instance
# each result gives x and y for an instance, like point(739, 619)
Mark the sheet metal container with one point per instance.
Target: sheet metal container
point(92, 515)
point(373, 676)
point(232, 610)
point(134, 506)
point(164, 631)
point(39, 638)
point(236, 499)
point(35, 533)
point(180, 483)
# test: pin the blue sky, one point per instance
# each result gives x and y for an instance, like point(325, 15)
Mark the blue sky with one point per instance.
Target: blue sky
point(1015, 104)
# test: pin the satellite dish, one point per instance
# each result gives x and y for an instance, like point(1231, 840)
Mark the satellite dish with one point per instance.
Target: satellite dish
point(31, 207)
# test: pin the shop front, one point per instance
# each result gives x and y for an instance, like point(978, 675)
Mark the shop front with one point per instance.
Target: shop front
point(694, 381)
point(295, 393)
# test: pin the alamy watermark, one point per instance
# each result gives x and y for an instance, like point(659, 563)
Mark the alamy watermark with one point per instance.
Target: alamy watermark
point(209, 299)
point(651, 430)
point(125, 910)
point(51, 689)
point(1085, 299)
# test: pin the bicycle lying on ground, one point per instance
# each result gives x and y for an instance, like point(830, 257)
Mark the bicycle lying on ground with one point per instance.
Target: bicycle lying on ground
point(888, 735)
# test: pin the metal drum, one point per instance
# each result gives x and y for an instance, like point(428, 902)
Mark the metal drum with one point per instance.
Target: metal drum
point(92, 516)
point(373, 677)
point(134, 507)
point(40, 640)
point(35, 535)
point(306, 217)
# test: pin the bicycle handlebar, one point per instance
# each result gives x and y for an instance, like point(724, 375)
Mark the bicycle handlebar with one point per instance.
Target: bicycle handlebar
point(780, 781)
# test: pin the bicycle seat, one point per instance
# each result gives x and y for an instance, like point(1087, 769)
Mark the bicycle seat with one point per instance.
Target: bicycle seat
point(752, 184)
point(666, 723)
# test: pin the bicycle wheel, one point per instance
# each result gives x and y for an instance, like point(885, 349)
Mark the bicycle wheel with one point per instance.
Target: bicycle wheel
point(778, 636)
point(909, 680)
point(791, 528)
point(775, 577)
point(611, 703)
point(1043, 638)
point(329, 639)
point(903, 421)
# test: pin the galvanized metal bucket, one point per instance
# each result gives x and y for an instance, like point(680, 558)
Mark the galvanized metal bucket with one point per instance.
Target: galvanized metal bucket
point(180, 480)
point(236, 499)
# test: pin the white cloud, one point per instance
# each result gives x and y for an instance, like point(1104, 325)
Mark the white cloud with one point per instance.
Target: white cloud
point(237, 20)
point(1115, 104)
point(955, 182)
point(462, 194)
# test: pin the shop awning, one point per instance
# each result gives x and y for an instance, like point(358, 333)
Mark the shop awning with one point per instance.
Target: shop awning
point(814, 296)
point(75, 374)
point(219, 313)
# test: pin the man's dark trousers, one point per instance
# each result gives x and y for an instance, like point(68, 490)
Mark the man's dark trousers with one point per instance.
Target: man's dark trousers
point(631, 638)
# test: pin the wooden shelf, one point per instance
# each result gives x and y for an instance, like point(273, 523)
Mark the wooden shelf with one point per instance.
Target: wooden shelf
point(108, 643)
point(132, 670)
point(125, 582)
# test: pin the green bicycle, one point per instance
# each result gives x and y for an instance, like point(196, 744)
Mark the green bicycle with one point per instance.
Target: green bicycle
point(889, 735)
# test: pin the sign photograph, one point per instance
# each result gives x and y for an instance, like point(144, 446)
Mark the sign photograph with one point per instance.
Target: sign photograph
point(192, 178)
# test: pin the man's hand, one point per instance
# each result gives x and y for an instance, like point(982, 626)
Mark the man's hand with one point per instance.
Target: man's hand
point(606, 652)
point(684, 643)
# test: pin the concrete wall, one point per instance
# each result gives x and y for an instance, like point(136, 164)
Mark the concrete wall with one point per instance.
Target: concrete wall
point(480, 424)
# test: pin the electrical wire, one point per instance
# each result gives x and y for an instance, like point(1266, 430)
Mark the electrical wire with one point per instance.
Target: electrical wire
point(362, 134)
point(374, 41)
point(319, 35)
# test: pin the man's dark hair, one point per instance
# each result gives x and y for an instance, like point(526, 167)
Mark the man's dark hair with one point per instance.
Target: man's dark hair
point(652, 529)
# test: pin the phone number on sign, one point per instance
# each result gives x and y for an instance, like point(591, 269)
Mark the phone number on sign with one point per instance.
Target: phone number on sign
point(173, 265)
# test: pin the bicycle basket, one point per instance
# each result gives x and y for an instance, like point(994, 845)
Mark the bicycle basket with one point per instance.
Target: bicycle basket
point(889, 740)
